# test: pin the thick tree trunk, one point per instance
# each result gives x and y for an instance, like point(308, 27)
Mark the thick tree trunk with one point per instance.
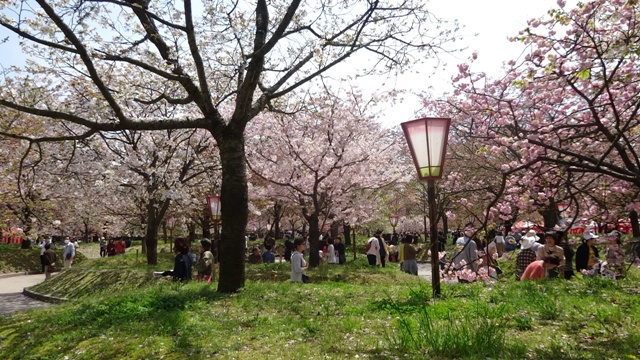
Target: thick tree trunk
point(235, 209)
point(346, 230)
point(551, 215)
point(191, 228)
point(314, 239)
point(635, 228)
point(164, 231)
point(445, 226)
point(334, 229)
point(151, 234)
point(277, 215)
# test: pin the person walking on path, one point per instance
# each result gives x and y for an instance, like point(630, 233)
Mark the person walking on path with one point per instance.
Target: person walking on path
point(42, 241)
point(68, 253)
point(49, 261)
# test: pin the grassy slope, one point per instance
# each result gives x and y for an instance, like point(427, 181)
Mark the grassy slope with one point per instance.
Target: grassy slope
point(13, 259)
point(348, 311)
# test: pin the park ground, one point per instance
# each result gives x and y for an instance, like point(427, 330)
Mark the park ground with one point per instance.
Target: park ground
point(118, 311)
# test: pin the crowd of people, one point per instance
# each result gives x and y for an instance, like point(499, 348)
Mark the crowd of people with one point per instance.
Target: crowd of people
point(541, 255)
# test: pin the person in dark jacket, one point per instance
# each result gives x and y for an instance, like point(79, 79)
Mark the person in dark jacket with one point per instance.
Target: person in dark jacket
point(182, 265)
point(587, 254)
point(49, 260)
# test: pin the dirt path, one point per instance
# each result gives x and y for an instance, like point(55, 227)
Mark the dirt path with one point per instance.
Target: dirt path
point(11, 298)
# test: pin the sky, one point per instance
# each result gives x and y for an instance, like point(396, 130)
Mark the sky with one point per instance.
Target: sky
point(493, 21)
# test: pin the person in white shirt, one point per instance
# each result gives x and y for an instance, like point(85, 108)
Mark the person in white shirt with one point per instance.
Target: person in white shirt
point(42, 241)
point(373, 249)
point(298, 265)
point(332, 257)
point(68, 253)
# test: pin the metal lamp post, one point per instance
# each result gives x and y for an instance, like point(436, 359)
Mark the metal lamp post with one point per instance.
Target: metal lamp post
point(427, 139)
point(393, 220)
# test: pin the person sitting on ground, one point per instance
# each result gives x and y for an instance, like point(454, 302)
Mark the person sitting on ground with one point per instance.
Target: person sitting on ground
point(538, 268)
point(550, 249)
point(332, 257)
point(50, 259)
point(268, 256)
point(205, 262)
point(587, 255)
point(568, 255)
point(613, 267)
point(255, 257)
point(526, 255)
point(465, 254)
point(182, 265)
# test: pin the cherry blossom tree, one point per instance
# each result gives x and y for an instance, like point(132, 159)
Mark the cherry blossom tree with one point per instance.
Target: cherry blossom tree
point(562, 122)
point(323, 155)
point(104, 66)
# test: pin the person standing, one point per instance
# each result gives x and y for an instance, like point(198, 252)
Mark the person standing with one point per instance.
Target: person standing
point(103, 247)
point(383, 250)
point(50, 259)
point(298, 265)
point(409, 260)
point(120, 246)
point(373, 249)
point(68, 253)
point(42, 242)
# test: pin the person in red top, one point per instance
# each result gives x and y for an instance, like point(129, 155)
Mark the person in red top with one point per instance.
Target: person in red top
point(120, 246)
point(536, 269)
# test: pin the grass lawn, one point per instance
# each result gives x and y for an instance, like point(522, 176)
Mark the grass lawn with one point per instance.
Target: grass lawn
point(351, 311)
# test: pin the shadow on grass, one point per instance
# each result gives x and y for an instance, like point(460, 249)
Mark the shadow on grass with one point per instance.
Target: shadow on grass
point(155, 311)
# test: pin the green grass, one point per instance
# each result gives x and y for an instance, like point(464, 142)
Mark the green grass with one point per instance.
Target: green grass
point(14, 259)
point(346, 312)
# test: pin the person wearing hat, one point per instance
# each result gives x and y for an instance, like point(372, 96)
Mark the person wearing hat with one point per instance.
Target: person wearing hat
point(526, 255)
point(373, 249)
point(587, 254)
point(466, 251)
point(550, 249)
point(205, 262)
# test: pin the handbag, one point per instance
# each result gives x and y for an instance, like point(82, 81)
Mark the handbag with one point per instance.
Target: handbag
point(305, 278)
